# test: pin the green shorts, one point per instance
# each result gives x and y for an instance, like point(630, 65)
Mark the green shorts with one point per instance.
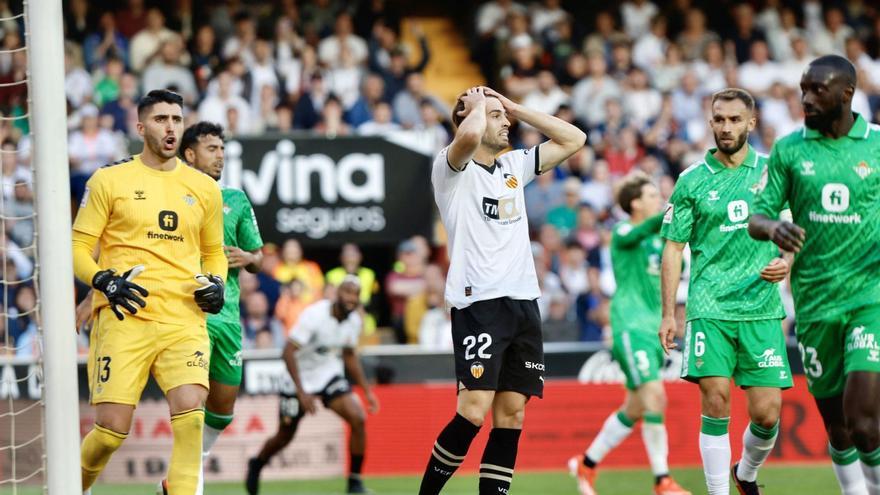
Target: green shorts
point(831, 349)
point(753, 353)
point(639, 355)
point(225, 352)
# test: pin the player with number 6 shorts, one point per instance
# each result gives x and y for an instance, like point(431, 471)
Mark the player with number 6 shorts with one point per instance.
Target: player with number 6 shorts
point(829, 172)
point(635, 315)
point(734, 309)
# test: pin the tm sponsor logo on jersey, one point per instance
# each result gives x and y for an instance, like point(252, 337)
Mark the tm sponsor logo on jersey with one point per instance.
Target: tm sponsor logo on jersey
point(859, 340)
point(504, 210)
point(737, 213)
point(835, 200)
point(769, 359)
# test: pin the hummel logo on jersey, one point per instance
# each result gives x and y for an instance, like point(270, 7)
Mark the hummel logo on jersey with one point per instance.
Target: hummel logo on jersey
point(769, 359)
point(807, 168)
point(139, 195)
point(189, 199)
point(863, 170)
point(713, 196)
point(783, 375)
point(226, 209)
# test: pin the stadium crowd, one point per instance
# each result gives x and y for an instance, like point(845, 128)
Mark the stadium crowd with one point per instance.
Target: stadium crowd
point(637, 77)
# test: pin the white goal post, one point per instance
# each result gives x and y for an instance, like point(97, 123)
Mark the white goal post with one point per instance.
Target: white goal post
point(47, 105)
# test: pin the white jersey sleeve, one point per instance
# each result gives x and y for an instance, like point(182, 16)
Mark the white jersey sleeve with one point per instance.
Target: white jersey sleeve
point(444, 177)
point(525, 163)
point(304, 329)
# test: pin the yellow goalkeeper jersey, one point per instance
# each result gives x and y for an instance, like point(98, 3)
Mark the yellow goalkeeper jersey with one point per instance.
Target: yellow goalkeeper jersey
point(169, 221)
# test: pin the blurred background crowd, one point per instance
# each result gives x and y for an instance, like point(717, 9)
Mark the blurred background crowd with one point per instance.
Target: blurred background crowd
point(637, 76)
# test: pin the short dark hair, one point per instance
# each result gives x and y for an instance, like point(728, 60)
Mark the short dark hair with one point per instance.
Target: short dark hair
point(730, 94)
point(459, 106)
point(158, 96)
point(631, 189)
point(192, 134)
point(843, 68)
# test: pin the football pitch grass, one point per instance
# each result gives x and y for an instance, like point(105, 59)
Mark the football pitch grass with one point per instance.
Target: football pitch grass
point(777, 480)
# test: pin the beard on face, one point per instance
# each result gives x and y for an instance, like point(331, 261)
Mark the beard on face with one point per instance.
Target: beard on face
point(495, 142)
point(156, 145)
point(823, 119)
point(737, 143)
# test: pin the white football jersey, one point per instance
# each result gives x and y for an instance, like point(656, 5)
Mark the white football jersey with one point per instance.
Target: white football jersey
point(321, 338)
point(484, 212)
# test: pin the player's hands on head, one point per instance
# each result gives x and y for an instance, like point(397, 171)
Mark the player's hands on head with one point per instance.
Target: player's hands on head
point(212, 294)
point(308, 402)
point(506, 102)
point(237, 257)
point(120, 290)
point(788, 236)
point(775, 271)
point(472, 97)
point(668, 327)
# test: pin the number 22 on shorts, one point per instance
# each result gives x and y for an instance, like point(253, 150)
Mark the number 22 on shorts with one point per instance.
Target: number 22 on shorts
point(484, 339)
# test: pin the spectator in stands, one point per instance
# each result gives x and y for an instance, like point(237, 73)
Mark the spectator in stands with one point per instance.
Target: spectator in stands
point(587, 231)
point(293, 265)
point(548, 96)
point(330, 49)
point(131, 18)
point(642, 103)
point(104, 44)
point(204, 57)
point(77, 82)
point(542, 195)
point(597, 191)
point(350, 260)
point(710, 69)
point(491, 25)
point(331, 124)
point(831, 38)
point(552, 244)
point(23, 322)
point(548, 281)
point(621, 60)
point(520, 76)
point(545, 15)
point(431, 130)
point(603, 36)
point(406, 103)
point(290, 304)
point(564, 216)
point(146, 43)
point(398, 68)
point(123, 109)
point(91, 147)
point(381, 123)
point(241, 44)
point(623, 151)
point(256, 320)
point(215, 108)
point(307, 112)
point(780, 38)
point(18, 258)
point(637, 15)
point(78, 21)
point(21, 210)
point(371, 94)
point(791, 70)
point(668, 75)
point(696, 36)
point(759, 73)
point(107, 88)
point(745, 33)
point(687, 100)
point(579, 279)
point(344, 78)
point(588, 97)
point(427, 319)
point(13, 172)
point(262, 73)
point(168, 71)
point(403, 284)
point(650, 49)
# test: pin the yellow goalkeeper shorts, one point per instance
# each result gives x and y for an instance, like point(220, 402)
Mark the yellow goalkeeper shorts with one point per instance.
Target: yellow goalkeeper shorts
point(123, 353)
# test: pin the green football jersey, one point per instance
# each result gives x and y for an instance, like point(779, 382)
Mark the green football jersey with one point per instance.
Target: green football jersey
point(635, 260)
point(240, 230)
point(709, 210)
point(833, 189)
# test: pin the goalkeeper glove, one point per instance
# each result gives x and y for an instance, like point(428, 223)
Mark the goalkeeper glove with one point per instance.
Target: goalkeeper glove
point(211, 295)
point(120, 290)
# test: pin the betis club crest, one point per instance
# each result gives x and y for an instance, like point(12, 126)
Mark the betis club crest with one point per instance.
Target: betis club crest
point(863, 169)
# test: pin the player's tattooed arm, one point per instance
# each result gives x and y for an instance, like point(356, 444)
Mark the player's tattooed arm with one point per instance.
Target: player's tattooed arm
point(670, 276)
point(565, 138)
point(306, 401)
point(354, 369)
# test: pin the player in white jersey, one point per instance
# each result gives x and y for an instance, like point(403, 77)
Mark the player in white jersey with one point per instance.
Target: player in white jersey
point(320, 350)
point(491, 285)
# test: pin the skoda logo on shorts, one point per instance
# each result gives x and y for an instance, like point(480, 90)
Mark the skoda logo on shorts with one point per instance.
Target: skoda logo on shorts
point(477, 369)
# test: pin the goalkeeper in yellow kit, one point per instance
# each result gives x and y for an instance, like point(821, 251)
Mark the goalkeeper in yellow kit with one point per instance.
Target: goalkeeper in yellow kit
point(151, 217)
